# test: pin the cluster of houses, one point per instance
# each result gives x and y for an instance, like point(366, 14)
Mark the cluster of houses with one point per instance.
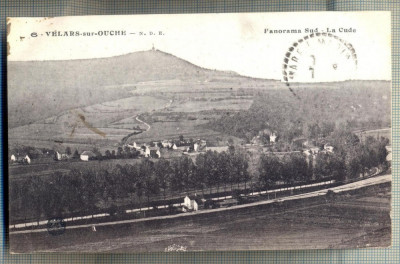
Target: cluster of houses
point(153, 150)
point(85, 156)
point(148, 150)
point(315, 150)
point(264, 137)
point(20, 159)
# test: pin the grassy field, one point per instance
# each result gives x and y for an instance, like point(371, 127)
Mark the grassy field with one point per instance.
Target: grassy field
point(360, 218)
point(170, 111)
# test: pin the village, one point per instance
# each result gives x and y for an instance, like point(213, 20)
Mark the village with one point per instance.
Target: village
point(157, 149)
point(154, 150)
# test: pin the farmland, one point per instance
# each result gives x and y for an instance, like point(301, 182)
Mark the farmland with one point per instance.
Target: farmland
point(169, 115)
point(353, 219)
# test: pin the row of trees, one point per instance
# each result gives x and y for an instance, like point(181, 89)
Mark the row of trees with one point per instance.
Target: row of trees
point(350, 159)
point(91, 189)
point(289, 169)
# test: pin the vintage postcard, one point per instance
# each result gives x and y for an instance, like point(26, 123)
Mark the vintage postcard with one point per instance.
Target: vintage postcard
point(199, 132)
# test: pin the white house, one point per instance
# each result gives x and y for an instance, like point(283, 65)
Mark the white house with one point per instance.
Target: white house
point(27, 159)
point(86, 155)
point(314, 150)
point(272, 138)
point(328, 148)
point(60, 156)
point(134, 146)
point(152, 152)
point(196, 147)
point(13, 158)
point(190, 203)
point(166, 144)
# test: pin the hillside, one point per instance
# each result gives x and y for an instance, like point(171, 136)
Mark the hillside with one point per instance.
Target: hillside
point(355, 104)
point(40, 89)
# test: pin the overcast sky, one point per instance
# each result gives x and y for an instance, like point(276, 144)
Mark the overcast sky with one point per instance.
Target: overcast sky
point(234, 42)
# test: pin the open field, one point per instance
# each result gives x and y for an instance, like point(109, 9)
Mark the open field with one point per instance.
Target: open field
point(167, 114)
point(227, 104)
point(348, 221)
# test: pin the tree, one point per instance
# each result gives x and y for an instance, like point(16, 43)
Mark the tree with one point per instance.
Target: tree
point(224, 168)
point(163, 172)
point(312, 131)
point(127, 152)
point(327, 128)
point(98, 154)
point(321, 169)
point(119, 152)
point(212, 176)
point(108, 154)
point(352, 163)
point(338, 167)
point(270, 170)
point(76, 154)
point(342, 139)
point(35, 196)
point(295, 168)
point(89, 189)
point(146, 169)
point(239, 165)
point(199, 176)
point(187, 170)
point(68, 151)
point(176, 182)
point(329, 165)
point(74, 190)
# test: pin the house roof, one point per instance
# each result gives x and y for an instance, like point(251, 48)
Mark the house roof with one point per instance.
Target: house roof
point(88, 153)
point(196, 198)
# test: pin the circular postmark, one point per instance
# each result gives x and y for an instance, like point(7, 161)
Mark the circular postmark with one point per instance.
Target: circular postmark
point(319, 57)
point(56, 226)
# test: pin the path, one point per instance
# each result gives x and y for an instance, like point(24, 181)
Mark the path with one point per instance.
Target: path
point(141, 121)
point(125, 139)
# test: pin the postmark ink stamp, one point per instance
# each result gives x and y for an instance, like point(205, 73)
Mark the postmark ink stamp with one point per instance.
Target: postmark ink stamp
point(319, 57)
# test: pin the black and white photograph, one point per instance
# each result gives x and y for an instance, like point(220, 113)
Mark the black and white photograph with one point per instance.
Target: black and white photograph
point(199, 132)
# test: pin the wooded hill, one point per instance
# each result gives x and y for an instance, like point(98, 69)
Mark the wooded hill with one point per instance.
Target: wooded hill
point(352, 104)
